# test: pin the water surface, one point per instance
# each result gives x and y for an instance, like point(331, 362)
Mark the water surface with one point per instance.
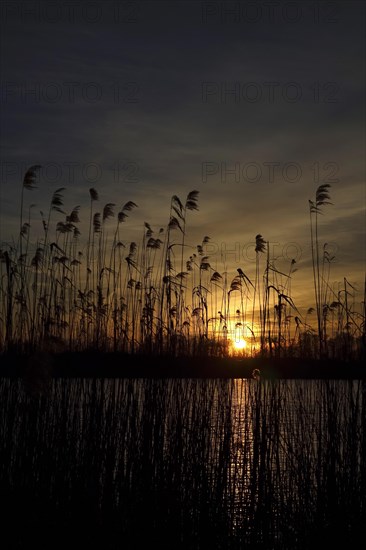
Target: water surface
point(183, 463)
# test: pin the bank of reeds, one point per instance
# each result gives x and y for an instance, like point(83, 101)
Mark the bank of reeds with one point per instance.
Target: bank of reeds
point(183, 463)
point(161, 295)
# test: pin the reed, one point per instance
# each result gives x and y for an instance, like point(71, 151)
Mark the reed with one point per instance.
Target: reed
point(183, 463)
point(161, 295)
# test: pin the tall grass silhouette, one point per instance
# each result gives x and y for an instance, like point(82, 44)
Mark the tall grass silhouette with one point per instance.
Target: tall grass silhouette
point(161, 295)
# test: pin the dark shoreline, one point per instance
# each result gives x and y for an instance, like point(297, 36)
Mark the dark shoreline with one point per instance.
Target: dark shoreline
point(92, 364)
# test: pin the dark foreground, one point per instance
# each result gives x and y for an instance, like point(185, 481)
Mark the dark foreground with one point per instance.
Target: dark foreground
point(182, 464)
point(117, 365)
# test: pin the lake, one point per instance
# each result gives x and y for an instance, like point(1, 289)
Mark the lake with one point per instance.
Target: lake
point(183, 463)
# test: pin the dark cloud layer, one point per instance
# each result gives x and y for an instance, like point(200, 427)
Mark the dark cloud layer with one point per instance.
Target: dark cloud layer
point(177, 95)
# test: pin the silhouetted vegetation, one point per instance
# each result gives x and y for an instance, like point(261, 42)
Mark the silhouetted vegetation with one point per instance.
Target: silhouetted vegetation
point(161, 296)
point(184, 464)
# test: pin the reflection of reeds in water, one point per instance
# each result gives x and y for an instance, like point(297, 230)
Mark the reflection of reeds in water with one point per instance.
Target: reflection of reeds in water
point(161, 295)
point(185, 463)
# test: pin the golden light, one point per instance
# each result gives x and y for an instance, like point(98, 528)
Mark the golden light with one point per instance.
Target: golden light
point(239, 344)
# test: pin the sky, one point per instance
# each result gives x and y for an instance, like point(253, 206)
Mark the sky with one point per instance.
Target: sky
point(253, 104)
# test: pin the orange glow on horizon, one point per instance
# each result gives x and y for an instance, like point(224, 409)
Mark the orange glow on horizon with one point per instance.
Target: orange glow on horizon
point(238, 346)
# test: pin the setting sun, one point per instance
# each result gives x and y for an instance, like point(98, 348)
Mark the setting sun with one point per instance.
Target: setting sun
point(239, 344)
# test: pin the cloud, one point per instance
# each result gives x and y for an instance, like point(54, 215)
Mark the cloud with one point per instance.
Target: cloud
point(176, 94)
